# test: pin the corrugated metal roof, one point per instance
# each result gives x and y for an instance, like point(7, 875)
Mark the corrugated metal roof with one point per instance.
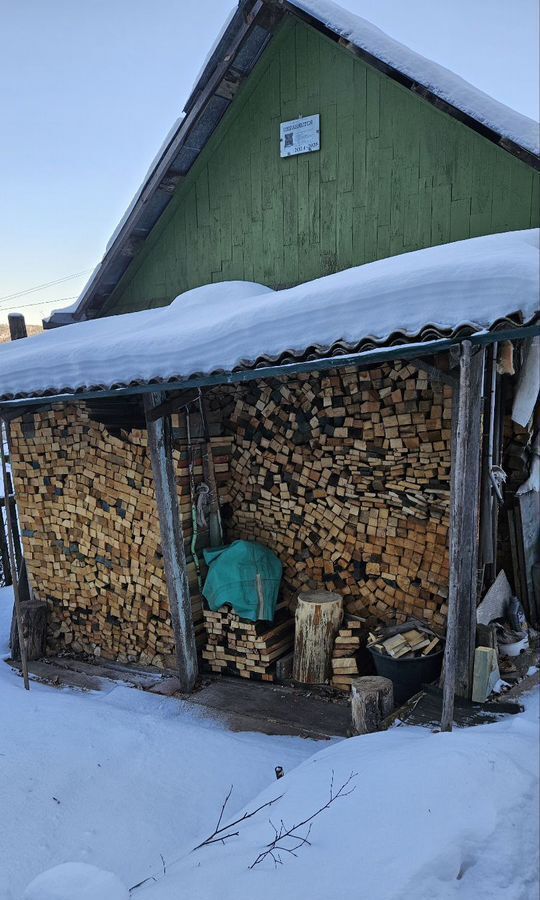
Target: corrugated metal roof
point(436, 294)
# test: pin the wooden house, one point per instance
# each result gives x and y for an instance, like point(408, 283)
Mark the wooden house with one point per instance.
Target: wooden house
point(310, 145)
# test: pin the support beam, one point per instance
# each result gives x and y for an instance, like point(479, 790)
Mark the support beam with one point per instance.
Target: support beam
point(172, 542)
point(4, 435)
point(172, 405)
point(465, 502)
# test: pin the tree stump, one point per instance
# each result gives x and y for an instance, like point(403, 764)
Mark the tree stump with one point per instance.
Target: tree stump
point(318, 617)
point(34, 622)
point(372, 700)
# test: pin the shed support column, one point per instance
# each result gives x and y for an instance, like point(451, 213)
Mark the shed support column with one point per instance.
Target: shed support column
point(464, 515)
point(172, 542)
point(15, 572)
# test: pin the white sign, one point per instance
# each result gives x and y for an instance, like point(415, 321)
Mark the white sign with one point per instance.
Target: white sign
point(300, 136)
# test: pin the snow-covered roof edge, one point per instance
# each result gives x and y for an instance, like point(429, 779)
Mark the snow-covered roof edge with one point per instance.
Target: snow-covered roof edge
point(251, 26)
point(218, 329)
point(442, 82)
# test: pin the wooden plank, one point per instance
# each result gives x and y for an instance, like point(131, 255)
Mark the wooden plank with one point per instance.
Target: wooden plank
point(465, 500)
point(172, 543)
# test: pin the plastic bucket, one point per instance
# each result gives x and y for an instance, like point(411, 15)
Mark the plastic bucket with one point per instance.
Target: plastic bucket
point(408, 675)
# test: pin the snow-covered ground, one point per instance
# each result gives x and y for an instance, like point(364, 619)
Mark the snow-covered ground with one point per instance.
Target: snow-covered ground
point(115, 780)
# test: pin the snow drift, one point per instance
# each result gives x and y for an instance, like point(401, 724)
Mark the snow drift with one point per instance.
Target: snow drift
point(432, 815)
point(76, 881)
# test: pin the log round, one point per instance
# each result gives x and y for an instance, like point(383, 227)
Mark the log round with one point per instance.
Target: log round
point(34, 623)
point(372, 700)
point(317, 621)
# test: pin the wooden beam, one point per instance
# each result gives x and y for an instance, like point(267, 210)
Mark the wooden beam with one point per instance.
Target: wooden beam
point(465, 501)
point(172, 405)
point(4, 429)
point(172, 541)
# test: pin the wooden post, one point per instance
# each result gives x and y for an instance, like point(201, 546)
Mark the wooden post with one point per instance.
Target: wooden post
point(17, 326)
point(172, 542)
point(465, 500)
point(4, 552)
point(4, 430)
point(318, 617)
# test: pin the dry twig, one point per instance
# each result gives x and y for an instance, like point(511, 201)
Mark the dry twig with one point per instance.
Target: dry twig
point(218, 836)
point(289, 840)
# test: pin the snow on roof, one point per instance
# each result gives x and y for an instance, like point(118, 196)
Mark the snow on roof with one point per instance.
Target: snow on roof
point(441, 81)
point(222, 326)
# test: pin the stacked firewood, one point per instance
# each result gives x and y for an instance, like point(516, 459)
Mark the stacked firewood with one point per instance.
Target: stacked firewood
point(350, 639)
point(346, 477)
point(91, 535)
point(416, 642)
point(250, 649)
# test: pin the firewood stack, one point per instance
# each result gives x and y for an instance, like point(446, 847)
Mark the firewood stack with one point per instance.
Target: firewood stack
point(410, 644)
point(91, 535)
point(249, 649)
point(350, 640)
point(346, 477)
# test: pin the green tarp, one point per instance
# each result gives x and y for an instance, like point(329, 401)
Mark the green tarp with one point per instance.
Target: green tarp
point(246, 575)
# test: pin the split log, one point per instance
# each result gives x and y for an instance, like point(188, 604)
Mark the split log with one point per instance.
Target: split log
point(318, 617)
point(372, 700)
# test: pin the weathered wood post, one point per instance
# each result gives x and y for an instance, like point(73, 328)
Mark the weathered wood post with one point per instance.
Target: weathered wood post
point(317, 621)
point(17, 326)
point(4, 430)
point(4, 552)
point(464, 516)
point(172, 541)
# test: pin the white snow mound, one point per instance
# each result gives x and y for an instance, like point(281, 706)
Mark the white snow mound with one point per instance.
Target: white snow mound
point(76, 881)
point(219, 326)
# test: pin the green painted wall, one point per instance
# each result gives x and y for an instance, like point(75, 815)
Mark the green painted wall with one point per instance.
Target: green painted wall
point(393, 174)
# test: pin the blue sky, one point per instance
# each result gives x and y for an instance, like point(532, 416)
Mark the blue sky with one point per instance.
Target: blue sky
point(89, 88)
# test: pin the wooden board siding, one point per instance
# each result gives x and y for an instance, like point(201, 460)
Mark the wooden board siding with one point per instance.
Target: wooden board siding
point(393, 174)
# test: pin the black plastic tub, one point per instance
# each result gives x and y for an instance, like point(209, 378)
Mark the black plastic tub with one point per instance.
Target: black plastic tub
point(408, 675)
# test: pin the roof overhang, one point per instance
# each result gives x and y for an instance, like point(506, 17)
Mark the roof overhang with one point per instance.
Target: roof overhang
point(364, 359)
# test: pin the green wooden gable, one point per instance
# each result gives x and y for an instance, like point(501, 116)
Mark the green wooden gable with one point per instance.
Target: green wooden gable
point(393, 174)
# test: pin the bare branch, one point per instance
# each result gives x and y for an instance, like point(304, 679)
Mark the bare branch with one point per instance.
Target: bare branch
point(281, 842)
point(223, 808)
point(217, 835)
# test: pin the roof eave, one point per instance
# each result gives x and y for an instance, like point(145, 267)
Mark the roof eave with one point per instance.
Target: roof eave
point(363, 358)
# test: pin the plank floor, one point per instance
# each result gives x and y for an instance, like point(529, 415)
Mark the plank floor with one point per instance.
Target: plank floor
point(240, 705)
